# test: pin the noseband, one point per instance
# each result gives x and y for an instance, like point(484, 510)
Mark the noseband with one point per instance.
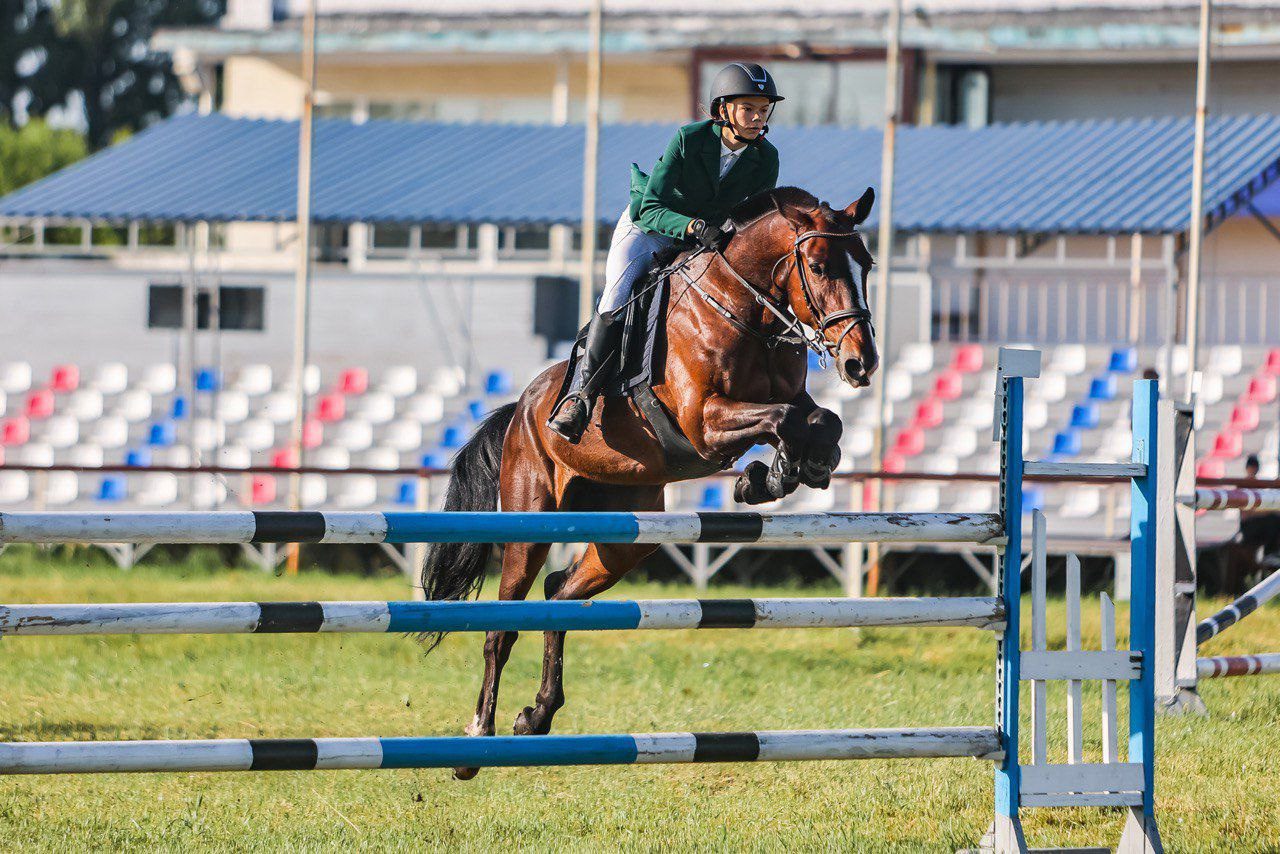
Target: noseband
point(796, 334)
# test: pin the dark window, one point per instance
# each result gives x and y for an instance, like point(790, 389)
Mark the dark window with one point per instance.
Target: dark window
point(241, 308)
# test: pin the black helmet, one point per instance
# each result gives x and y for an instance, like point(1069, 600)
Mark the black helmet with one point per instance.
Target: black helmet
point(740, 80)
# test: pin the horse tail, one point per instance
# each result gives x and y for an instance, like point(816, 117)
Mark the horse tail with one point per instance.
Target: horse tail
point(456, 570)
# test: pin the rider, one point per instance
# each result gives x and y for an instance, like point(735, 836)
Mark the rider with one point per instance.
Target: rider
point(707, 169)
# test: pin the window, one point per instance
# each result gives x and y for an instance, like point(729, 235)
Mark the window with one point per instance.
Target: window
point(240, 308)
point(836, 91)
point(966, 96)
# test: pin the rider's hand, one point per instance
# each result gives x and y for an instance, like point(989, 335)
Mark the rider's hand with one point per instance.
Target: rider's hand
point(708, 235)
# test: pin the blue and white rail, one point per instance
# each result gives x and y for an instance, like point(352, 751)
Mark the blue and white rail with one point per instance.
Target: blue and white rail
point(319, 754)
point(154, 618)
point(803, 529)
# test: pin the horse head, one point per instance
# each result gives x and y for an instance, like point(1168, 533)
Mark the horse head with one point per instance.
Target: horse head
point(824, 278)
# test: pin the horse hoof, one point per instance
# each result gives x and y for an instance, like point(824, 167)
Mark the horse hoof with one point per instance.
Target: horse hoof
point(465, 773)
point(750, 486)
point(524, 724)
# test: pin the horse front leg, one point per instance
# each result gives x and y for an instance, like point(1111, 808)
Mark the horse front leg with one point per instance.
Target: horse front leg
point(730, 427)
point(822, 450)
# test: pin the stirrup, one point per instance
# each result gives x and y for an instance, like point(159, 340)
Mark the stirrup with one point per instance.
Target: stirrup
point(577, 429)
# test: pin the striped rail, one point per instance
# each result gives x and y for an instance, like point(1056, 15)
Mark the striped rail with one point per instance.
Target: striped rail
point(1261, 593)
point(363, 617)
point(498, 527)
point(1237, 665)
point(315, 754)
point(1237, 499)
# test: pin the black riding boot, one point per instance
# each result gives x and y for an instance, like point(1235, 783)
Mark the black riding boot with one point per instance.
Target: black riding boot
point(570, 419)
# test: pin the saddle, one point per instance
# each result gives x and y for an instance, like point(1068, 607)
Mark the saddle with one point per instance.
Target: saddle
point(641, 360)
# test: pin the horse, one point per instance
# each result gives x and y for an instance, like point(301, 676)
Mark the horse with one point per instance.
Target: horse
point(738, 318)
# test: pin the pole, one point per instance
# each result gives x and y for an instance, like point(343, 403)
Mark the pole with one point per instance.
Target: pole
point(302, 277)
point(884, 252)
point(591, 165)
point(1196, 236)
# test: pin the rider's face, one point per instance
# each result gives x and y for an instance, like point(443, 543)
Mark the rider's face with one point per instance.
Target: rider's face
point(748, 115)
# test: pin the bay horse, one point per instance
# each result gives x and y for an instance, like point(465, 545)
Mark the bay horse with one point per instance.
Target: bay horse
point(733, 377)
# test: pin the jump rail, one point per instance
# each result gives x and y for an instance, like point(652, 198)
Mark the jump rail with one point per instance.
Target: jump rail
point(470, 527)
point(366, 617)
point(1237, 499)
point(1238, 665)
point(316, 754)
point(1264, 591)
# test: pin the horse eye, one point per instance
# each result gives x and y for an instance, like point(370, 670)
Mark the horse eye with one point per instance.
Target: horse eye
point(815, 267)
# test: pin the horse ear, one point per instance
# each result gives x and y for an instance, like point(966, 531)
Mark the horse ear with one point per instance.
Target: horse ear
point(793, 215)
point(861, 209)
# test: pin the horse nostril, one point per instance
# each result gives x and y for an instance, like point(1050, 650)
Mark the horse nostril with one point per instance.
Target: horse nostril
point(854, 371)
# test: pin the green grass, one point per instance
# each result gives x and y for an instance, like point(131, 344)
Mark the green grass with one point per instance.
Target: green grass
point(1216, 779)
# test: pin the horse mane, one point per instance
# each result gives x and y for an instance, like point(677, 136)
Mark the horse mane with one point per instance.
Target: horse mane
point(768, 201)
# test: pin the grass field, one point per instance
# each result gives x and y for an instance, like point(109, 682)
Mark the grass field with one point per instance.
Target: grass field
point(1217, 781)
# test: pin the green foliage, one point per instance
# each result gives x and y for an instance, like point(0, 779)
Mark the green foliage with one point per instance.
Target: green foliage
point(34, 151)
point(27, 34)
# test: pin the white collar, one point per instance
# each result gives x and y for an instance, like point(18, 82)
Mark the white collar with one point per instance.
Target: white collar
point(725, 150)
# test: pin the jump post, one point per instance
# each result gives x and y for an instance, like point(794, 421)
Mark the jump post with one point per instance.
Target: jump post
point(1018, 784)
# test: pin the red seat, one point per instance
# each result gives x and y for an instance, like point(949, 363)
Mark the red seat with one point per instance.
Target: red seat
point(353, 381)
point(948, 386)
point(1262, 389)
point(1210, 468)
point(928, 414)
point(909, 442)
point(894, 464)
point(284, 458)
point(1245, 417)
point(312, 433)
point(40, 403)
point(263, 490)
point(1272, 365)
point(15, 431)
point(331, 407)
point(967, 359)
point(1227, 445)
point(65, 378)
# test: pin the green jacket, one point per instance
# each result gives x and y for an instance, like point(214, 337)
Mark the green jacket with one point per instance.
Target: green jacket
point(685, 184)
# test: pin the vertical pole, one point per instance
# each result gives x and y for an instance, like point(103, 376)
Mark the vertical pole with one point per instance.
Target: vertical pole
point(1140, 832)
point(302, 272)
point(1196, 237)
point(884, 251)
point(590, 166)
point(1008, 827)
point(1135, 289)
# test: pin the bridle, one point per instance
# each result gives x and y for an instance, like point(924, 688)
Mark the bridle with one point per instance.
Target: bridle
point(795, 333)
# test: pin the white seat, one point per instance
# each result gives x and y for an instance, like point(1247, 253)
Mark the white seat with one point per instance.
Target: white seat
point(864, 414)
point(1049, 388)
point(1035, 414)
point(960, 441)
point(157, 489)
point(403, 435)
point(4, 398)
point(61, 431)
point(87, 455)
point(207, 491)
point(938, 463)
point(111, 431)
point(85, 404)
point(380, 458)
point(1212, 388)
point(234, 457)
point(399, 380)
point(15, 486)
point(917, 498)
point(1081, 502)
point(447, 381)
point(916, 358)
point(358, 491)
point(1181, 360)
point(233, 406)
point(61, 488)
point(159, 379)
point(426, 408)
point(208, 434)
point(15, 377)
point(134, 405)
point(858, 441)
point(1069, 359)
point(34, 454)
point(377, 407)
point(973, 498)
point(256, 434)
point(312, 490)
point(1117, 445)
point(975, 413)
point(278, 407)
point(174, 455)
point(1225, 359)
point(253, 380)
point(330, 458)
point(110, 378)
point(354, 435)
point(897, 386)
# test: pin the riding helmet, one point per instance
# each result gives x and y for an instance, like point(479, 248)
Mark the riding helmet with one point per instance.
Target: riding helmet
point(740, 80)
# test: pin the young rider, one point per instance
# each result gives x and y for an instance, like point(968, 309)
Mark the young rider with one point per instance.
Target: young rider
point(707, 169)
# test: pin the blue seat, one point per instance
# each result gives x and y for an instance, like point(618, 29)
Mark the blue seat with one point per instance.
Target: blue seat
point(1124, 360)
point(180, 408)
point(1032, 499)
point(476, 409)
point(207, 379)
point(138, 458)
point(497, 382)
point(1105, 387)
point(432, 461)
point(162, 434)
point(1085, 416)
point(1067, 443)
point(111, 488)
point(712, 497)
point(407, 492)
point(453, 438)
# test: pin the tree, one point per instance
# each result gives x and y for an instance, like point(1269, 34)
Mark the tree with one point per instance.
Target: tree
point(27, 34)
point(33, 151)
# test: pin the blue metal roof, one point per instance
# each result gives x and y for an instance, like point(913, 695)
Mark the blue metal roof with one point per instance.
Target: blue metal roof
point(1103, 177)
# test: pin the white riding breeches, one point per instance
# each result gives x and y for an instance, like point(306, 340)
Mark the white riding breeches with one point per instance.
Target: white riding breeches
point(630, 254)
